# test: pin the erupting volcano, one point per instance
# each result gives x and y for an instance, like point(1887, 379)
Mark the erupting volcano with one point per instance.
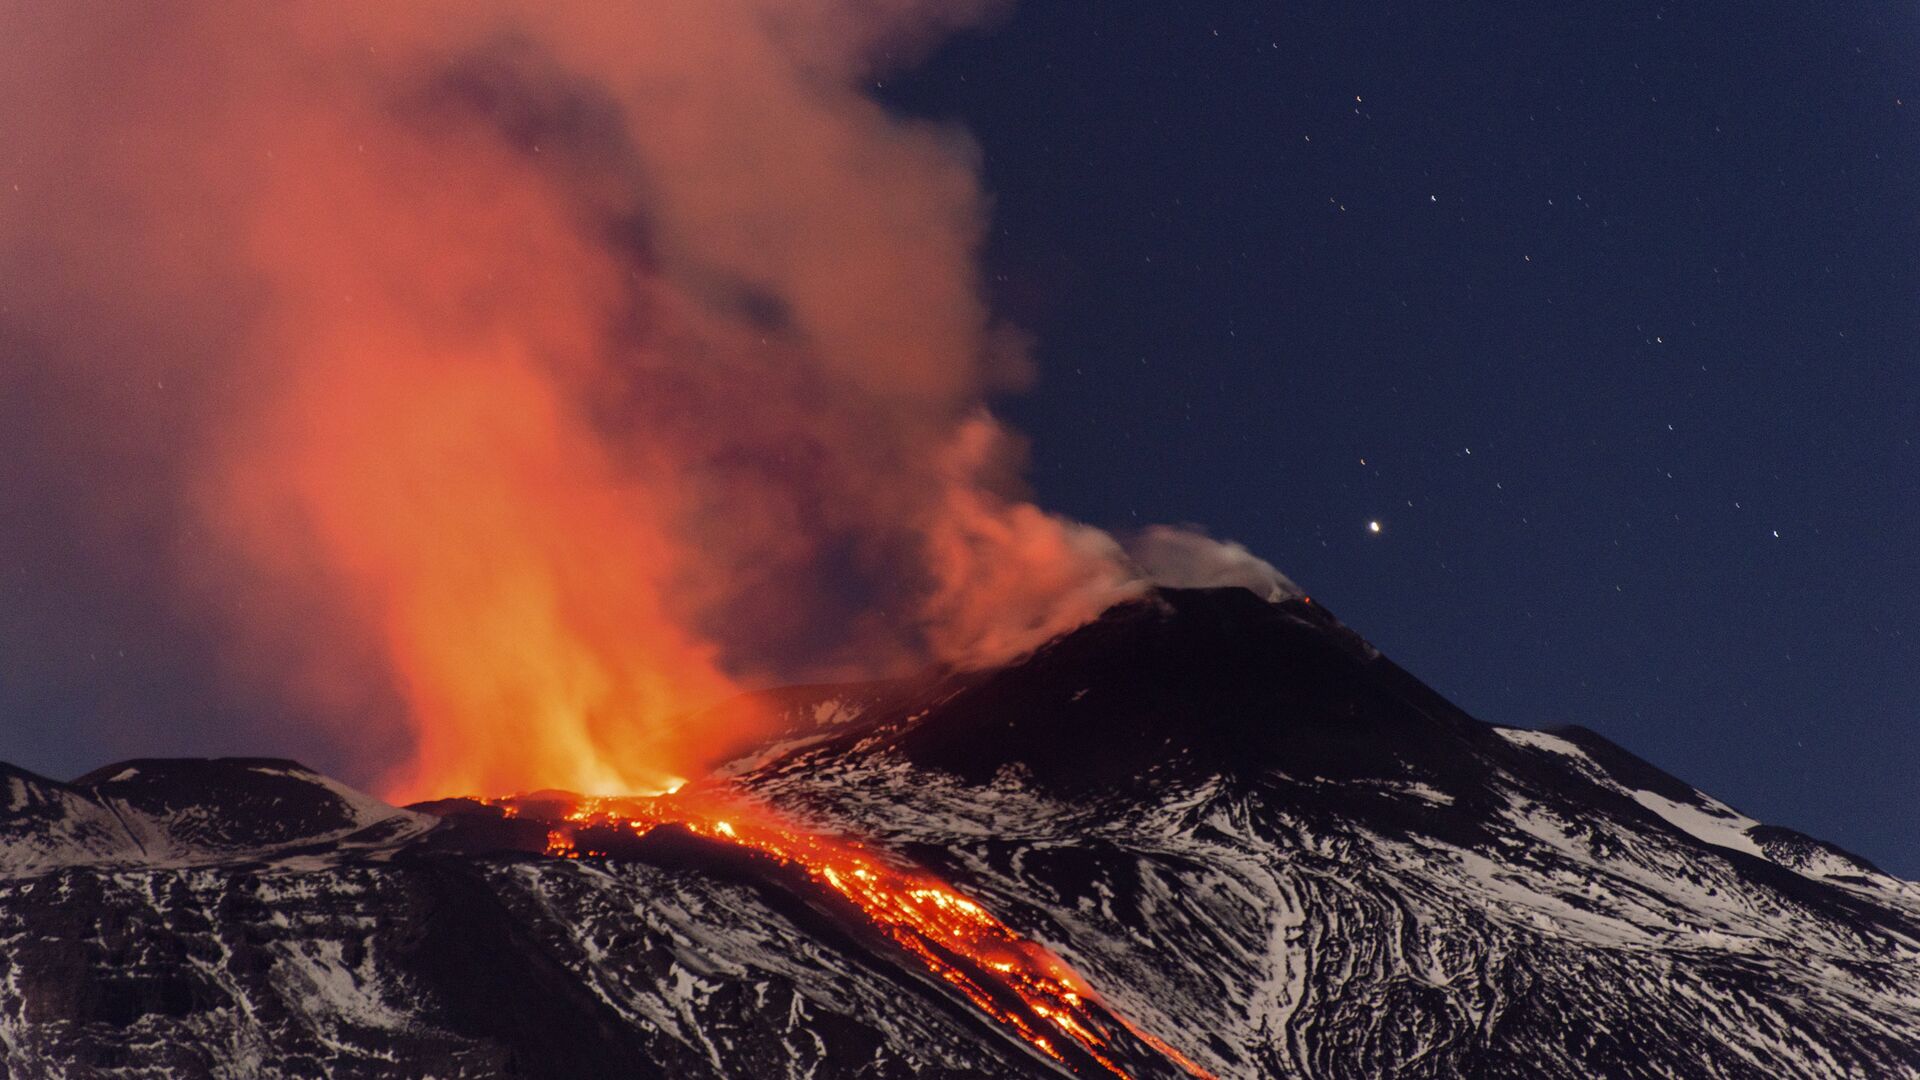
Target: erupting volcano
point(1209, 834)
point(566, 369)
point(535, 384)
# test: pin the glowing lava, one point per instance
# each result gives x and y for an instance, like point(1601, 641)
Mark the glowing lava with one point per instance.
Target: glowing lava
point(1013, 980)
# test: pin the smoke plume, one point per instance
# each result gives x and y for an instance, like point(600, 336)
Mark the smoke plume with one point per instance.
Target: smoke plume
point(517, 377)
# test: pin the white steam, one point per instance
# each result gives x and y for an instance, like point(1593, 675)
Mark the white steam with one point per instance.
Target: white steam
point(1187, 558)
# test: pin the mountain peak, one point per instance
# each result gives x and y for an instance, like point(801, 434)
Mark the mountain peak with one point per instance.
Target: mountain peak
point(1215, 680)
point(150, 771)
point(178, 811)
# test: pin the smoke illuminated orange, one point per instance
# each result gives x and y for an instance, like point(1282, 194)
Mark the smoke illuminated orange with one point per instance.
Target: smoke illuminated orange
point(1019, 984)
point(534, 374)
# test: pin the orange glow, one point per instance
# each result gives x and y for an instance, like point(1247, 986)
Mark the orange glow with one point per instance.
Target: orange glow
point(553, 366)
point(1013, 980)
point(536, 373)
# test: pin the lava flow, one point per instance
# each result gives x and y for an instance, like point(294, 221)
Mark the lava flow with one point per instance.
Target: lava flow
point(1013, 980)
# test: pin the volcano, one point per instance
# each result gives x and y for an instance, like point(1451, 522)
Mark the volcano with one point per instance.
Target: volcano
point(1204, 835)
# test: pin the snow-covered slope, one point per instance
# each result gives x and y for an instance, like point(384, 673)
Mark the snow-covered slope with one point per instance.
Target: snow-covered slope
point(1256, 839)
point(1302, 852)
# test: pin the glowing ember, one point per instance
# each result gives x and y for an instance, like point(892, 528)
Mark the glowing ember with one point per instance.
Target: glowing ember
point(1021, 985)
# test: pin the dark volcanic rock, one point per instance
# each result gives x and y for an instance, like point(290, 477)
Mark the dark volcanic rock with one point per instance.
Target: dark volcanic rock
point(262, 802)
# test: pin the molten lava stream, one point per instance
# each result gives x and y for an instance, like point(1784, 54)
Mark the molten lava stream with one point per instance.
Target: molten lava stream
point(1015, 981)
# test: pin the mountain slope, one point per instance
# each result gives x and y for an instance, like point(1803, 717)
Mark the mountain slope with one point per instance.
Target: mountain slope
point(1259, 842)
point(1333, 872)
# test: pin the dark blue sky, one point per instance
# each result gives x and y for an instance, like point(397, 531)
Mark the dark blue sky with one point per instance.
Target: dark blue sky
point(1584, 309)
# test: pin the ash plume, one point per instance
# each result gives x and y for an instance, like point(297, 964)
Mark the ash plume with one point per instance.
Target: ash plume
point(522, 375)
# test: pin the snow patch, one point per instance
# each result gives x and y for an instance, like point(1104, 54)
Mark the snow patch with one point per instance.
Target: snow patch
point(1714, 823)
point(1540, 740)
point(1426, 792)
point(331, 985)
point(832, 711)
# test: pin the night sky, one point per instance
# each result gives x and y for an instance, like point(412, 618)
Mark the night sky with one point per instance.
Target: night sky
point(1608, 320)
